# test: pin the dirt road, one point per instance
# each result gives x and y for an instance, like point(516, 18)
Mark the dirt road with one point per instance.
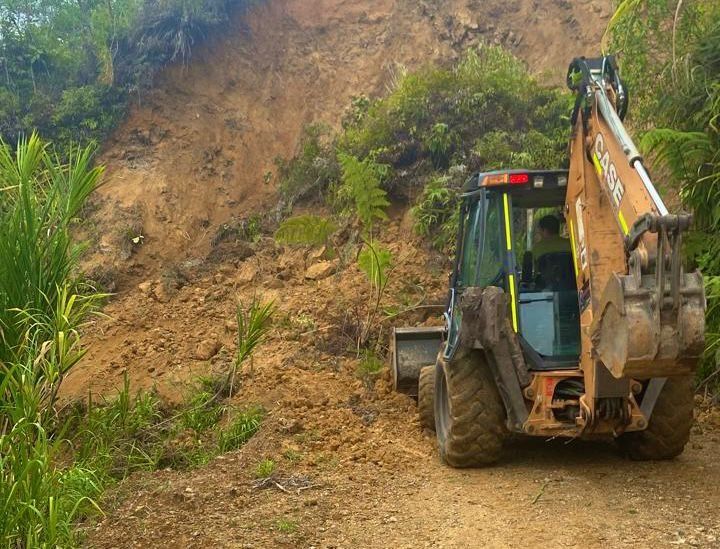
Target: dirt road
point(544, 495)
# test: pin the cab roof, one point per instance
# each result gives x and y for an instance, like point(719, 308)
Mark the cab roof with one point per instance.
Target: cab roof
point(528, 179)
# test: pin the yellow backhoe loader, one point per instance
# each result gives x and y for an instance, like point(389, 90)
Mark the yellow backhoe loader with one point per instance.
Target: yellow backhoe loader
point(570, 312)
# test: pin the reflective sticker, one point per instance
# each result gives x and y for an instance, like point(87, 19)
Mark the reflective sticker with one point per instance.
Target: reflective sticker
point(623, 223)
point(574, 248)
point(513, 301)
point(507, 221)
point(598, 166)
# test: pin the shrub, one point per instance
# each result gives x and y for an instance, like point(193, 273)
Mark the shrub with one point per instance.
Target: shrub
point(677, 116)
point(311, 170)
point(442, 114)
point(436, 213)
point(86, 113)
point(68, 67)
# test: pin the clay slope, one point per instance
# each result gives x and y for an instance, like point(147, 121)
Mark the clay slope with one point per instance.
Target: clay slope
point(198, 151)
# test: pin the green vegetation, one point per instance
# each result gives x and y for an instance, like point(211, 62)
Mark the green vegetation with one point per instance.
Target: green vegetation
point(265, 468)
point(474, 114)
point(67, 69)
point(203, 411)
point(39, 201)
point(41, 310)
point(240, 430)
point(54, 467)
point(421, 141)
point(677, 116)
point(436, 213)
point(417, 145)
point(312, 169)
point(370, 365)
point(252, 328)
point(306, 230)
point(286, 526)
point(361, 191)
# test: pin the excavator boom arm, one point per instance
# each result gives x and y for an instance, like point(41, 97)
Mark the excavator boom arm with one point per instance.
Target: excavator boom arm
point(642, 315)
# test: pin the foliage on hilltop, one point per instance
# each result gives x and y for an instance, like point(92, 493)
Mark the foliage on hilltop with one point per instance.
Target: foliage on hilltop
point(430, 131)
point(68, 69)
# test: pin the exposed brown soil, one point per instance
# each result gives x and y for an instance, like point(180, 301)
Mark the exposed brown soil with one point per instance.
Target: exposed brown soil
point(368, 474)
point(195, 154)
point(192, 158)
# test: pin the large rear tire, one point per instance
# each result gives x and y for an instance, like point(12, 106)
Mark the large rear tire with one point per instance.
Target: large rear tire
point(669, 428)
point(469, 414)
point(426, 394)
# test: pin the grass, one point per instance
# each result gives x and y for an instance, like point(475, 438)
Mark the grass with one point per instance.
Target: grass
point(265, 468)
point(129, 434)
point(42, 308)
point(370, 365)
point(293, 456)
point(286, 526)
point(203, 411)
point(240, 430)
point(253, 326)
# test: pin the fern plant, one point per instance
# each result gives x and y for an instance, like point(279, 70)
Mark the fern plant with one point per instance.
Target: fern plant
point(435, 212)
point(305, 230)
point(439, 142)
point(362, 182)
point(375, 261)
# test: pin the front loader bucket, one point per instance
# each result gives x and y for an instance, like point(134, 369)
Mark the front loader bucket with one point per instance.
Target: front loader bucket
point(410, 350)
point(642, 332)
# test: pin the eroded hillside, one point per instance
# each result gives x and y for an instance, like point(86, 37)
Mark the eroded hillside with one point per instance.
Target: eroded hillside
point(354, 468)
point(199, 151)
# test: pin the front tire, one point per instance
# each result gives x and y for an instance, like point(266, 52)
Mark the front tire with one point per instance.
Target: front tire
point(669, 428)
point(469, 414)
point(426, 394)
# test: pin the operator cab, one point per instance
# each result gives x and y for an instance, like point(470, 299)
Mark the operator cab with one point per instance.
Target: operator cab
point(504, 218)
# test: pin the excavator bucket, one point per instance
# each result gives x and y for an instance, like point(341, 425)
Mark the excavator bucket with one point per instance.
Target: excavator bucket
point(411, 349)
point(645, 331)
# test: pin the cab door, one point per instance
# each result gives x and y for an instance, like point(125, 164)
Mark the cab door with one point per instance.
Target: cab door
point(480, 256)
